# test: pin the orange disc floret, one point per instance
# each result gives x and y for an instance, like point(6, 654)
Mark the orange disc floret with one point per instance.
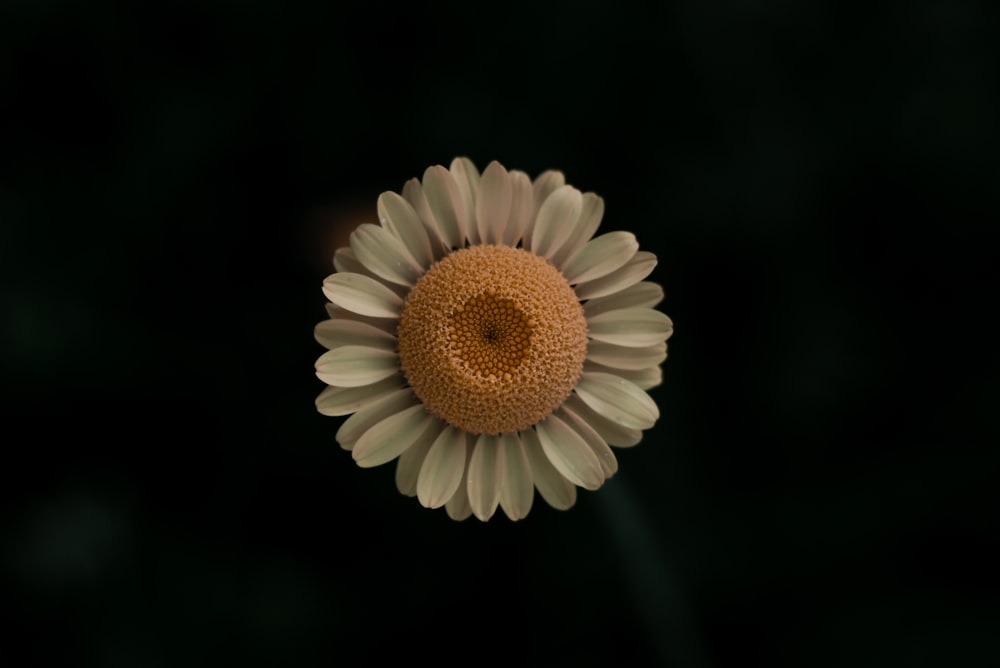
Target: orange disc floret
point(492, 339)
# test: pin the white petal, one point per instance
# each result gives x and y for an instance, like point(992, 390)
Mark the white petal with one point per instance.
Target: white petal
point(522, 208)
point(467, 179)
point(387, 325)
point(392, 436)
point(557, 491)
point(445, 202)
point(485, 471)
point(600, 448)
point(546, 184)
point(636, 269)
point(442, 470)
point(620, 357)
point(569, 453)
point(618, 400)
point(517, 490)
point(614, 434)
point(346, 400)
point(413, 193)
point(630, 327)
point(342, 332)
point(556, 220)
point(589, 221)
point(370, 415)
point(458, 507)
point(644, 294)
point(346, 262)
point(354, 366)
point(363, 295)
point(646, 378)
point(559, 225)
point(493, 203)
point(400, 218)
point(383, 254)
point(409, 463)
point(601, 256)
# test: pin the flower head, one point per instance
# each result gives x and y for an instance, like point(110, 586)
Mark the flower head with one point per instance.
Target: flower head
point(480, 337)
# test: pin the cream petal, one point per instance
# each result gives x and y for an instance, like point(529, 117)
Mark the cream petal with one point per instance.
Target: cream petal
point(442, 470)
point(590, 219)
point(493, 203)
point(600, 448)
point(620, 357)
point(362, 295)
point(646, 378)
point(467, 179)
point(517, 491)
point(485, 472)
point(399, 217)
point(636, 269)
point(345, 261)
point(370, 415)
point(445, 202)
point(546, 184)
point(560, 224)
point(630, 327)
point(569, 453)
point(346, 400)
point(557, 491)
point(354, 366)
point(556, 220)
point(413, 193)
point(392, 436)
point(522, 208)
point(643, 294)
point(614, 434)
point(601, 256)
point(339, 332)
point(384, 255)
point(409, 463)
point(618, 400)
point(389, 326)
point(458, 507)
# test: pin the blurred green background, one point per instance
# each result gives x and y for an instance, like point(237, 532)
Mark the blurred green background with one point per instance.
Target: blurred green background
point(816, 178)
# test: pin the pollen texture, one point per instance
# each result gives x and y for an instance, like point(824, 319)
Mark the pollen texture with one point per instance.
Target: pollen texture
point(492, 339)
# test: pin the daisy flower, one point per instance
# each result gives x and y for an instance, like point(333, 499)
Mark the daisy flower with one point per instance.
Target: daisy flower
point(483, 339)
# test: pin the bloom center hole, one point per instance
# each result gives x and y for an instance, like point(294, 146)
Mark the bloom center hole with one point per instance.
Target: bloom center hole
point(490, 335)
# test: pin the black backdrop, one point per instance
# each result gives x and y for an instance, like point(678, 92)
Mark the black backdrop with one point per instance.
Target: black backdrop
point(816, 179)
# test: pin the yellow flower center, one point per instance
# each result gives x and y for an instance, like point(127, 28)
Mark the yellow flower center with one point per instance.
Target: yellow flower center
point(492, 339)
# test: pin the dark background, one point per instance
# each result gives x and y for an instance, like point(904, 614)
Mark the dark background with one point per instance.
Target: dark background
point(816, 178)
